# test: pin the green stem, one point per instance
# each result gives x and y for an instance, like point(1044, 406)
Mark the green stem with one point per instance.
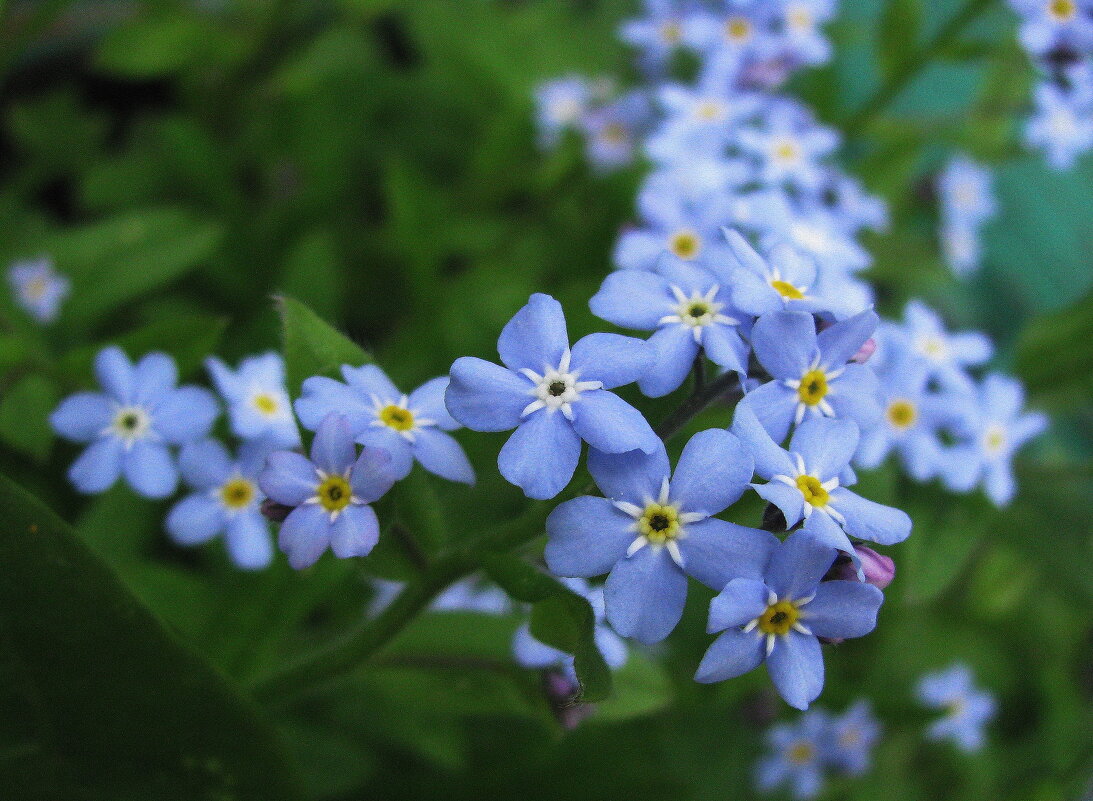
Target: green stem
point(726, 386)
point(913, 64)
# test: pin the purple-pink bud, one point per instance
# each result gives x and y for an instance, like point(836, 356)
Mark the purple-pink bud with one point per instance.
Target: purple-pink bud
point(878, 569)
point(561, 692)
point(868, 348)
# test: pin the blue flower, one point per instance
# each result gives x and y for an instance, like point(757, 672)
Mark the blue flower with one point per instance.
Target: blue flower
point(809, 481)
point(797, 755)
point(802, 41)
point(852, 737)
point(611, 132)
point(968, 709)
point(811, 376)
point(779, 618)
point(1046, 25)
point(650, 532)
point(1060, 127)
point(131, 424)
point(38, 288)
point(996, 432)
point(788, 145)
point(560, 106)
point(258, 404)
point(552, 396)
point(966, 192)
point(947, 355)
point(330, 493)
point(689, 312)
point(408, 427)
point(227, 500)
point(657, 34)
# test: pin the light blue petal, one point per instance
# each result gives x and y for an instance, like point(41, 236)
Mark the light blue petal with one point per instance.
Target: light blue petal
point(304, 535)
point(725, 348)
point(774, 404)
point(732, 654)
point(355, 532)
point(855, 395)
point(869, 520)
point(154, 376)
point(999, 483)
point(485, 396)
point(645, 594)
point(611, 646)
point(826, 445)
point(439, 453)
point(82, 417)
point(541, 455)
point(186, 414)
point(398, 447)
point(98, 467)
point(322, 396)
point(638, 250)
point(248, 541)
point(635, 477)
point(632, 299)
point(204, 464)
point(535, 338)
point(796, 667)
point(115, 374)
point(370, 380)
point(845, 338)
point(608, 423)
point(715, 552)
point(674, 351)
point(371, 477)
point(770, 460)
point(611, 359)
point(798, 564)
point(785, 343)
point(288, 478)
point(333, 450)
point(752, 293)
point(789, 500)
point(740, 602)
point(225, 381)
point(150, 469)
point(195, 519)
point(824, 530)
point(713, 471)
point(428, 401)
point(842, 609)
point(873, 447)
point(530, 653)
point(586, 537)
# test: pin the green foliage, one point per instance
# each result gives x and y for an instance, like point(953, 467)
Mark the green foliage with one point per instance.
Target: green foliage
point(313, 347)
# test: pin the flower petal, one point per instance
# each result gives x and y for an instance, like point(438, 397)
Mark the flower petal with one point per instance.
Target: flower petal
point(822, 528)
point(428, 401)
point(304, 535)
point(632, 299)
point(195, 519)
point(248, 541)
point(204, 464)
point(842, 340)
point(98, 467)
point(115, 374)
point(82, 417)
point(322, 396)
point(535, 338)
point(288, 478)
point(785, 343)
point(635, 476)
point(796, 667)
point(645, 594)
point(439, 453)
point(400, 449)
point(725, 347)
point(732, 654)
point(774, 405)
point(770, 459)
point(674, 351)
point(789, 500)
point(798, 565)
point(370, 380)
point(825, 445)
point(586, 537)
point(610, 424)
point(541, 455)
point(371, 476)
point(355, 532)
point(716, 551)
point(869, 520)
point(333, 450)
point(186, 414)
point(154, 377)
point(741, 601)
point(713, 471)
point(150, 469)
point(486, 397)
point(611, 359)
point(843, 609)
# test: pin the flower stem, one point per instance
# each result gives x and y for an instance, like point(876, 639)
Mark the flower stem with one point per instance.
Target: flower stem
point(725, 387)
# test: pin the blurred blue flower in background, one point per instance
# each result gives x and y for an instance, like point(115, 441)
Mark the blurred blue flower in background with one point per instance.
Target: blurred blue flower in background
point(132, 423)
point(258, 404)
point(966, 195)
point(560, 106)
point(967, 708)
point(853, 735)
point(797, 755)
point(38, 288)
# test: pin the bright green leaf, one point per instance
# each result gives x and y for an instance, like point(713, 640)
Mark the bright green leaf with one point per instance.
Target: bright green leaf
point(312, 346)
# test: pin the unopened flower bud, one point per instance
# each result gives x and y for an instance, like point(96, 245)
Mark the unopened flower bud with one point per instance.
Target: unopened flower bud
point(868, 348)
point(877, 569)
point(277, 512)
point(561, 692)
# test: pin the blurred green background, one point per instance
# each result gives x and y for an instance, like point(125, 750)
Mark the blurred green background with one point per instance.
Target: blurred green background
point(375, 159)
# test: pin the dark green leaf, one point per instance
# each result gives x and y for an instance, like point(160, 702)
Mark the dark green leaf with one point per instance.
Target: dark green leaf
point(641, 687)
point(312, 346)
point(900, 25)
point(24, 416)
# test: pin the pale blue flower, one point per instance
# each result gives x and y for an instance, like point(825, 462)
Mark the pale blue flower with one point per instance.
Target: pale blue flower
point(553, 396)
point(226, 500)
point(653, 529)
point(612, 132)
point(132, 423)
point(778, 618)
point(1048, 24)
point(947, 355)
point(967, 708)
point(38, 288)
point(796, 757)
point(1059, 126)
point(258, 404)
point(852, 737)
point(966, 192)
point(822, 235)
point(560, 107)
point(802, 41)
point(409, 427)
point(330, 494)
point(788, 145)
point(657, 34)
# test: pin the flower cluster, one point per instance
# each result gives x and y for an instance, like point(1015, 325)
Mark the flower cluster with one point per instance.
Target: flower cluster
point(966, 199)
point(1058, 36)
point(801, 753)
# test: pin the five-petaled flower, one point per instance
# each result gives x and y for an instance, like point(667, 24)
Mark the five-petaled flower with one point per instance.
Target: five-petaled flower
point(258, 404)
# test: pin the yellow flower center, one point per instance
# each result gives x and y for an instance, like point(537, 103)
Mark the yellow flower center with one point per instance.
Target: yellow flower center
point(685, 244)
point(813, 490)
point(813, 387)
point(266, 403)
point(995, 438)
point(710, 110)
point(800, 753)
point(397, 418)
point(738, 28)
point(799, 18)
point(36, 288)
point(335, 493)
point(1063, 9)
point(786, 150)
point(902, 413)
point(779, 617)
point(671, 32)
point(659, 523)
point(787, 290)
point(238, 493)
point(614, 133)
point(932, 347)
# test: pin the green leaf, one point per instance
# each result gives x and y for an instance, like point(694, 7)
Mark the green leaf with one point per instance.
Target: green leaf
point(641, 687)
point(24, 416)
point(152, 48)
point(898, 36)
point(1053, 354)
point(519, 579)
point(312, 346)
point(113, 706)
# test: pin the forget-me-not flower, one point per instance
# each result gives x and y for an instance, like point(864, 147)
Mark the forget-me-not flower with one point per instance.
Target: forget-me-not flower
point(408, 427)
point(330, 493)
point(809, 482)
point(611, 131)
point(560, 106)
point(796, 758)
point(226, 500)
point(38, 288)
point(852, 737)
point(132, 423)
point(652, 530)
point(948, 355)
point(778, 619)
point(811, 375)
point(553, 396)
point(689, 312)
point(1059, 127)
point(258, 404)
point(967, 708)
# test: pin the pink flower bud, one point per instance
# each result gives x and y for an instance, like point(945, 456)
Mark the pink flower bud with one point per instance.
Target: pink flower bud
point(868, 348)
point(561, 692)
point(878, 569)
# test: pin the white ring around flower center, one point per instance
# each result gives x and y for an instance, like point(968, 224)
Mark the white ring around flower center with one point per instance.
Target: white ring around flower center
point(696, 311)
point(638, 513)
point(557, 388)
point(130, 424)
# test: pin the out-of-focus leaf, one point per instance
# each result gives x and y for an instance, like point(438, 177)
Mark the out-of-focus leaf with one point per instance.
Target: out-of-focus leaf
point(112, 706)
point(313, 272)
point(151, 48)
point(641, 687)
point(312, 346)
point(1054, 356)
point(900, 24)
point(24, 416)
